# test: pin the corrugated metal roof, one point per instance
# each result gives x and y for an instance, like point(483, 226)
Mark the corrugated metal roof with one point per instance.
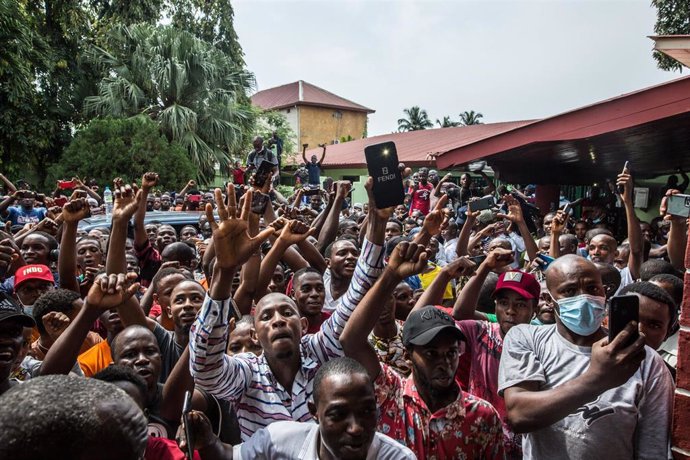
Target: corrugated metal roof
point(414, 147)
point(303, 93)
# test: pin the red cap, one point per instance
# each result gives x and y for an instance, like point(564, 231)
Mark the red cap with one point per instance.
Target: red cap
point(32, 272)
point(518, 281)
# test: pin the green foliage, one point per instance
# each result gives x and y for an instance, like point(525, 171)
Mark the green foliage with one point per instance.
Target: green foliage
point(470, 118)
point(347, 138)
point(44, 78)
point(127, 148)
point(447, 122)
point(672, 18)
point(194, 91)
point(269, 121)
point(209, 20)
point(416, 119)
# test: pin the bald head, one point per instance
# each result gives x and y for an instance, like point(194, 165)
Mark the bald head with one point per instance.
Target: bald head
point(128, 334)
point(572, 275)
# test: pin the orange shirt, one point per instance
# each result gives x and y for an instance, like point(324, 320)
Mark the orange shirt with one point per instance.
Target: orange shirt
point(95, 359)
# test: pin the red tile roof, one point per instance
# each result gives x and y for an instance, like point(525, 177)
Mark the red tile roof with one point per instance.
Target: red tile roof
point(303, 93)
point(414, 146)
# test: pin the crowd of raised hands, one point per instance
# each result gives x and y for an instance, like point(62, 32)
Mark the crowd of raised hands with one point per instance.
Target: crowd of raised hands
point(310, 326)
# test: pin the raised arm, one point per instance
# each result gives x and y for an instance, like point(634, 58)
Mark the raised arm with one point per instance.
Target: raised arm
point(464, 238)
point(127, 202)
point(530, 410)
point(677, 235)
point(466, 304)
point(72, 213)
point(432, 223)
point(635, 240)
point(107, 292)
point(407, 259)
point(80, 186)
point(190, 184)
point(9, 201)
point(515, 216)
point(330, 227)
point(292, 232)
point(490, 187)
point(557, 228)
point(10, 186)
point(212, 369)
point(323, 155)
point(140, 237)
point(433, 295)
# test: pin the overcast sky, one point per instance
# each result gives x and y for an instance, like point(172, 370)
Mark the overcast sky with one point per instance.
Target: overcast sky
point(510, 60)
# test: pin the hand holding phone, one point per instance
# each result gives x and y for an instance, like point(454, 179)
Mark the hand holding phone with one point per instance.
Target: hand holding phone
point(382, 162)
point(619, 188)
point(622, 310)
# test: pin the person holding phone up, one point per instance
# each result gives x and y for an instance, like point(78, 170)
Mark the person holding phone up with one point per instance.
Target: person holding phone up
point(26, 212)
point(568, 388)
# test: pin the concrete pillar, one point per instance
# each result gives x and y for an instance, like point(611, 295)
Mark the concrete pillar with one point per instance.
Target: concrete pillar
point(681, 406)
point(547, 195)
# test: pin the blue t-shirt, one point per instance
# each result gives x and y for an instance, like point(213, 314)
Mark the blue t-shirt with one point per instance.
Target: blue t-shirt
point(314, 170)
point(19, 216)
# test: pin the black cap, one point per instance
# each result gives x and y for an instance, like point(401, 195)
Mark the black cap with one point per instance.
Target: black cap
point(423, 325)
point(11, 309)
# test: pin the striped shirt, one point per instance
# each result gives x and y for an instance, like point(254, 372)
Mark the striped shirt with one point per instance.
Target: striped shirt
point(247, 380)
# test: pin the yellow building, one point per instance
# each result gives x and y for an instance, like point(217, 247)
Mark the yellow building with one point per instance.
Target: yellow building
point(317, 116)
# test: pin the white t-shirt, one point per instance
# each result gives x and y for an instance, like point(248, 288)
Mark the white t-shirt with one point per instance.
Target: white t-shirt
point(295, 440)
point(626, 278)
point(630, 421)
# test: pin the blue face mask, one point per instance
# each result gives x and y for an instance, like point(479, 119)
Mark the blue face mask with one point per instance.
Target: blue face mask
point(582, 314)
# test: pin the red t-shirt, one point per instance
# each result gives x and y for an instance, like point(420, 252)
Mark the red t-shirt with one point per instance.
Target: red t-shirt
point(238, 176)
point(421, 198)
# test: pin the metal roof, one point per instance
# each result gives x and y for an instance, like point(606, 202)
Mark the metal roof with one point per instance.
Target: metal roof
point(303, 93)
point(650, 128)
point(415, 148)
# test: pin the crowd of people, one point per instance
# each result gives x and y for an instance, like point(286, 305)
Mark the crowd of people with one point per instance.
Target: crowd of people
point(313, 327)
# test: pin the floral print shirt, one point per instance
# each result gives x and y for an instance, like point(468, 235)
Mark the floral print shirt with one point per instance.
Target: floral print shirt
point(468, 428)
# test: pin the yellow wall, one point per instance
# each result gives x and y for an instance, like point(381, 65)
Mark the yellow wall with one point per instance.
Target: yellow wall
point(318, 125)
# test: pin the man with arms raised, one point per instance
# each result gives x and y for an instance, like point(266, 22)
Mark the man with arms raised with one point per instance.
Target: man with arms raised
point(570, 390)
point(278, 384)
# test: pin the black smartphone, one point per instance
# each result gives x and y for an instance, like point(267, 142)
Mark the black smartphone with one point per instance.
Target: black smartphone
point(622, 310)
point(481, 204)
point(382, 162)
point(566, 209)
point(186, 408)
point(263, 173)
point(619, 188)
point(478, 259)
point(259, 202)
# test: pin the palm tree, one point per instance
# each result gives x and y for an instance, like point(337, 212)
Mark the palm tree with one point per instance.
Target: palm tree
point(195, 92)
point(447, 122)
point(416, 119)
point(470, 118)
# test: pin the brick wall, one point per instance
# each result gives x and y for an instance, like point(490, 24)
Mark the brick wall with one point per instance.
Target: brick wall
point(681, 409)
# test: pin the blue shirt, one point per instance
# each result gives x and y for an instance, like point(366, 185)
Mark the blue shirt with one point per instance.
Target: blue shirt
point(20, 216)
point(314, 170)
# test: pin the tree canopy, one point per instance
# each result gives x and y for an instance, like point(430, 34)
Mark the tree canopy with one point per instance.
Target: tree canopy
point(127, 148)
point(672, 18)
point(415, 120)
point(471, 118)
point(45, 78)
